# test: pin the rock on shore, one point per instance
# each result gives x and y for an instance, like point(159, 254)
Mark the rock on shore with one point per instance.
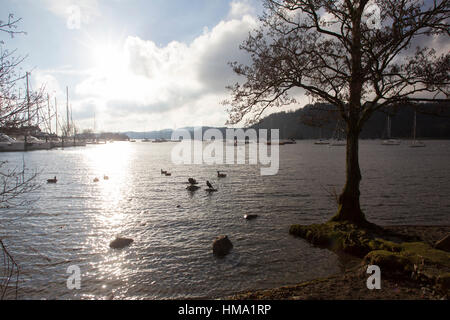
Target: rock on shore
point(443, 244)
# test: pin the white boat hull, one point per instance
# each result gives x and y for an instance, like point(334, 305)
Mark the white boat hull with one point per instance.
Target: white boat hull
point(417, 144)
point(391, 142)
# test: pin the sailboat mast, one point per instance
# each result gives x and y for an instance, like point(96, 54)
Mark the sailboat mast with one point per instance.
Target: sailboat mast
point(71, 121)
point(28, 102)
point(49, 118)
point(67, 109)
point(56, 117)
point(389, 126)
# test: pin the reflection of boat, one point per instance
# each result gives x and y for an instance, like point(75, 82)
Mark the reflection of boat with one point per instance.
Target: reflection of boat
point(275, 143)
point(416, 143)
point(389, 141)
point(322, 142)
point(145, 138)
point(338, 143)
point(33, 143)
point(290, 141)
point(9, 144)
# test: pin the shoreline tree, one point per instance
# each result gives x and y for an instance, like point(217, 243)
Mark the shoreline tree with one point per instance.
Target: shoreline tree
point(354, 54)
point(15, 111)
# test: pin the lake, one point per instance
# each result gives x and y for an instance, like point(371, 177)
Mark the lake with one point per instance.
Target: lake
point(73, 221)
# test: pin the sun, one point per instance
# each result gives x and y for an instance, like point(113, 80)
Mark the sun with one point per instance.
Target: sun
point(109, 59)
point(110, 73)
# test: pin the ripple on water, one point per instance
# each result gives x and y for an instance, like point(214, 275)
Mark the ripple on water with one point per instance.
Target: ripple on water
point(72, 223)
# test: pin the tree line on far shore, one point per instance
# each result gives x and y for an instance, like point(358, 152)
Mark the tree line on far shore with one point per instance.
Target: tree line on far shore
point(435, 124)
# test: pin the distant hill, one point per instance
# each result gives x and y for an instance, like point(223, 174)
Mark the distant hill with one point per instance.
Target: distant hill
point(292, 125)
point(167, 133)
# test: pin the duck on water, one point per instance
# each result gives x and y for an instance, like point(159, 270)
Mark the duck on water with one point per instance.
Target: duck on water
point(192, 185)
point(54, 180)
point(210, 187)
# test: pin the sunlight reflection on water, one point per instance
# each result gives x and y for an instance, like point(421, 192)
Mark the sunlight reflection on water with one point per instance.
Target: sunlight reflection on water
point(73, 221)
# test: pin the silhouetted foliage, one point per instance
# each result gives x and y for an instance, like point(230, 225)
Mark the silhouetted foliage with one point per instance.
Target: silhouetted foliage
point(327, 49)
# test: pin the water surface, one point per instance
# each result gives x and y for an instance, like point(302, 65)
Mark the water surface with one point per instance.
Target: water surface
point(73, 221)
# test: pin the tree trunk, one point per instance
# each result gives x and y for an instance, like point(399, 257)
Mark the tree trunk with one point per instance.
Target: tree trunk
point(349, 208)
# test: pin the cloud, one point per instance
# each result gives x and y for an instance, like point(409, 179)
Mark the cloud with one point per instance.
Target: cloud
point(239, 9)
point(75, 12)
point(179, 84)
point(42, 79)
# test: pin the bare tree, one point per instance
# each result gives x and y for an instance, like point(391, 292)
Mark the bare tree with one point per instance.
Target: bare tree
point(10, 26)
point(331, 51)
point(16, 110)
point(14, 183)
point(10, 269)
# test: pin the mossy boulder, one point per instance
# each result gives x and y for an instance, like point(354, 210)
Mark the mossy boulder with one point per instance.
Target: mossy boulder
point(443, 244)
point(344, 237)
point(389, 261)
point(443, 282)
point(394, 255)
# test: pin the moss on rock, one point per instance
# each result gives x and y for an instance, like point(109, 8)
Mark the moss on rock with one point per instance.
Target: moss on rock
point(394, 255)
point(389, 261)
point(345, 237)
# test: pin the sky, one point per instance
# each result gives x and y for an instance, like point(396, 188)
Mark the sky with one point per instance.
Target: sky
point(136, 64)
